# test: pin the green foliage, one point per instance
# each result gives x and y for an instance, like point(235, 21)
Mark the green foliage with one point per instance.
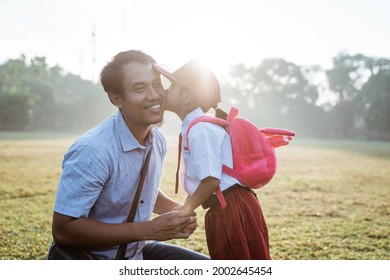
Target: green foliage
point(328, 199)
point(35, 96)
point(11, 103)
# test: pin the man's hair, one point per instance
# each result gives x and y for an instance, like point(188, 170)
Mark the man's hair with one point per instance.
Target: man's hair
point(112, 76)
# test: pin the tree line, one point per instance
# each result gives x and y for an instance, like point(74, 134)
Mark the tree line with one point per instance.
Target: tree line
point(350, 100)
point(281, 93)
point(34, 96)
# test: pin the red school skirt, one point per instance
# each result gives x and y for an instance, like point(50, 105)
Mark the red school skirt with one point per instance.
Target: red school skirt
point(238, 232)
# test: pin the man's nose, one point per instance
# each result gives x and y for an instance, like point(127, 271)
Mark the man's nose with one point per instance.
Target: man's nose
point(153, 93)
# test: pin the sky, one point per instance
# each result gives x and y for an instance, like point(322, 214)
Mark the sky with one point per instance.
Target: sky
point(81, 36)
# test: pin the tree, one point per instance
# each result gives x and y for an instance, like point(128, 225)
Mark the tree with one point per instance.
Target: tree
point(36, 96)
point(376, 100)
point(361, 86)
point(275, 93)
point(14, 100)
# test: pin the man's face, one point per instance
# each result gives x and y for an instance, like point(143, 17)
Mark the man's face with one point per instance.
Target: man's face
point(143, 101)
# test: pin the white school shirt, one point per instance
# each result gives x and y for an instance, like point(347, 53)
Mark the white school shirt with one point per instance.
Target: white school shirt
point(100, 177)
point(209, 149)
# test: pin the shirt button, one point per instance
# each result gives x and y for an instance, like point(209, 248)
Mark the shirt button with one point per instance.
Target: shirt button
point(142, 202)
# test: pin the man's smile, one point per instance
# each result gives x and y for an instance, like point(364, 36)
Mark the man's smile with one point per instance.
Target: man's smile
point(154, 107)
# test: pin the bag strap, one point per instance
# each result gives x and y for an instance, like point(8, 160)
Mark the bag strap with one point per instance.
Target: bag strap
point(208, 119)
point(120, 255)
point(178, 163)
point(215, 120)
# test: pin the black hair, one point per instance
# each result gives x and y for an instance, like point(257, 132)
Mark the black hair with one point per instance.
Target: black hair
point(219, 113)
point(112, 76)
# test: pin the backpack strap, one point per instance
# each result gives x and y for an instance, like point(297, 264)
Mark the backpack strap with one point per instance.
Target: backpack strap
point(221, 198)
point(233, 113)
point(208, 119)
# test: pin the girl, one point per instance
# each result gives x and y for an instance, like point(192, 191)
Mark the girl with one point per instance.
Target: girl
point(238, 231)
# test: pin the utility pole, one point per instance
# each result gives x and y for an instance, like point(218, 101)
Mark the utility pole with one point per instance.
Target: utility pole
point(81, 61)
point(93, 52)
point(124, 35)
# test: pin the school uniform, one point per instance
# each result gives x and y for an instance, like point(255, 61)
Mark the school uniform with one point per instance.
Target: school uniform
point(238, 231)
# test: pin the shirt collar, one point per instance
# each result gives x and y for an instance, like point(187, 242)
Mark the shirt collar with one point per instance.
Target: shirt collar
point(189, 118)
point(127, 138)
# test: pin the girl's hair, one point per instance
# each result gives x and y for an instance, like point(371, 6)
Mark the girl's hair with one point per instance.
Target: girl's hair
point(219, 113)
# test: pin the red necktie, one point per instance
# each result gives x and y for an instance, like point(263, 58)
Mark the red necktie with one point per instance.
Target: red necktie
point(178, 164)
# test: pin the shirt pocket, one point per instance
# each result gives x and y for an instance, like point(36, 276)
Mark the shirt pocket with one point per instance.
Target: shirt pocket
point(190, 170)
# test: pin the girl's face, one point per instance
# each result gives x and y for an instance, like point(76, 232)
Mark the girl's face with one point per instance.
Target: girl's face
point(174, 97)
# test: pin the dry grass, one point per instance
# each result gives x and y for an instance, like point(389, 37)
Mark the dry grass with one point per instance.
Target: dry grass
point(328, 200)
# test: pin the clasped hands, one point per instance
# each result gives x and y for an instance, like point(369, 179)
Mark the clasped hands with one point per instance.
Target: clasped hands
point(179, 223)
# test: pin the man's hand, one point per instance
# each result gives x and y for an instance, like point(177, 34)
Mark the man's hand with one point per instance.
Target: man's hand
point(192, 226)
point(173, 225)
point(194, 222)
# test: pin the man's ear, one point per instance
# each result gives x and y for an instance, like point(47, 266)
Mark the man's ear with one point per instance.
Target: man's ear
point(115, 99)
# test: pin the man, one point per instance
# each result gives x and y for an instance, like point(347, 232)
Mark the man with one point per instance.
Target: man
point(102, 168)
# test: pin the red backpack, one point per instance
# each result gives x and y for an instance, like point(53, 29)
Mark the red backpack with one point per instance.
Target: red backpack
point(254, 157)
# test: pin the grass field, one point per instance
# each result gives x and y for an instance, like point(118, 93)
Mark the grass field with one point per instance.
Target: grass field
point(328, 199)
